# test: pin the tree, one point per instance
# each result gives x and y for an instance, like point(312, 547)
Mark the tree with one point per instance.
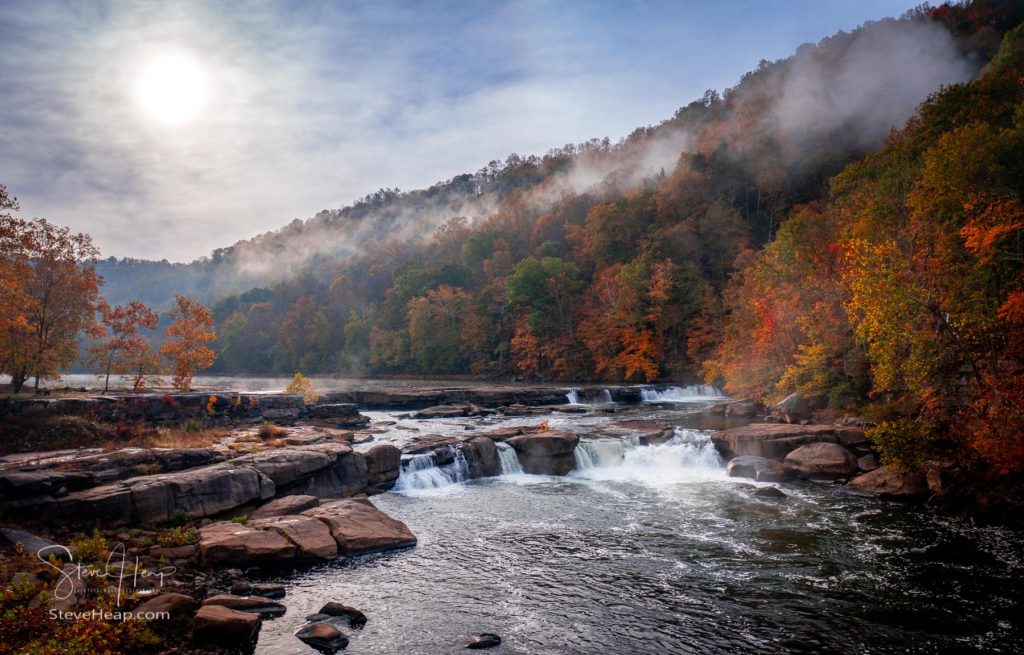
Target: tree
point(303, 386)
point(191, 328)
point(123, 350)
point(48, 296)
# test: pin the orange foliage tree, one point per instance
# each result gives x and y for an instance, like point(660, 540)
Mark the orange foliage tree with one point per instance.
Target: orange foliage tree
point(191, 328)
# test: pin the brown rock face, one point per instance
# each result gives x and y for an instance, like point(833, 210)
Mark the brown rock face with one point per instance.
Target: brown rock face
point(482, 455)
point(229, 542)
point(178, 607)
point(216, 624)
point(775, 441)
point(794, 408)
point(285, 505)
point(546, 453)
point(882, 482)
point(382, 467)
point(823, 461)
point(359, 527)
point(312, 538)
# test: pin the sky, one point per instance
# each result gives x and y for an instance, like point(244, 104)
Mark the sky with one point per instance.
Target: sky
point(168, 129)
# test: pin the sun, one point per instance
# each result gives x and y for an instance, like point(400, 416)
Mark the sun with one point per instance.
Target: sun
point(172, 88)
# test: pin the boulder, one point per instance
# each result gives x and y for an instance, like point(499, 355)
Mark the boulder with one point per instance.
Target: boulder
point(775, 441)
point(252, 604)
point(312, 538)
point(794, 408)
point(30, 543)
point(743, 408)
point(443, 411)
point(233, 543)
point(383, 462)
point(891, 484)
point(867, 463)
point(482, 456)
point(322, 636)
point(200, 492)
point(359, 527)
point(177, 607)
point(824, 461)
point(285, 505)
point(484, 640)
point(346, 477)
point(266, 590)
point(768, 492)
point(356, 619)
point(546, 453)
point(216, 624)
point(757, 468)
point(657, 438)
point(287, 465)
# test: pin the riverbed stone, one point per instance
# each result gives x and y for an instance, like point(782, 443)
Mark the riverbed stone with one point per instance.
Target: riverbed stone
point(253, 604)
point(546, 453)
point(356, 618)
point(768, 492)
point(322, 636)
point(775, 441)
point(891, 484)
point(383, 463)
point(312, 538)
point(227, 542)
point(757, 468)
point(823, 461)
point(216, 624)
point(285, 505)
point(484, 640)
point(359, 527)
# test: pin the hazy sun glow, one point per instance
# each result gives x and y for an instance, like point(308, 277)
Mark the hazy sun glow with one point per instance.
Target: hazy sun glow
point(171, 88)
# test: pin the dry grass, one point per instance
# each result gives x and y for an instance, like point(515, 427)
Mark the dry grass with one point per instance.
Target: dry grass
point(43, 433)
point(270, 431)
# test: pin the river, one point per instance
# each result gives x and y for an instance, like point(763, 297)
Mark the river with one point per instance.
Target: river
point(653, 549)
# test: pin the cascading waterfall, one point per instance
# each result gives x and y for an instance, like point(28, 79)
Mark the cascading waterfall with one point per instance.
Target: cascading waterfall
point(509, 460)
point(573, 396)
point(606, 396)
point(681, 394)
point(688, 456)
point(602, 396)
point(422, 472)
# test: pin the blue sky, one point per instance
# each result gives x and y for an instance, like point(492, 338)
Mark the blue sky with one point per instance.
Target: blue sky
point(310, 105)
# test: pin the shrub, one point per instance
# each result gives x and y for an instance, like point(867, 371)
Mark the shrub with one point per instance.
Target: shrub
point(271, 431)
point(177, 536)
point(304, 386)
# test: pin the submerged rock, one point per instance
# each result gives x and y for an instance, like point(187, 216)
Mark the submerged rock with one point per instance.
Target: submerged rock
point(356, 619)
point(824, 461)
point(769, 492)
point(323, 636)
point(253, 604)
point(484, 640)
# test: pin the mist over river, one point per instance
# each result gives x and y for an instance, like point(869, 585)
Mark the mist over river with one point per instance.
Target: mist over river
point(653, 549)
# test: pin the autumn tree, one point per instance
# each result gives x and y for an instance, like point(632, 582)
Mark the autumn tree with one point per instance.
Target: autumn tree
point(190, 330)
point(49, 296)
point(123, 350)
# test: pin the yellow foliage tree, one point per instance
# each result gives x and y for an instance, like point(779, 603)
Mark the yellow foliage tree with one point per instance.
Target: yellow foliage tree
point(187, 349)
point(302, 385)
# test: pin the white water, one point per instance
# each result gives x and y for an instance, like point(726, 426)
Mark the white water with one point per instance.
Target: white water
point(573, 397)
point(602, 397)
point(689, 456)
point(601, 452)
point(509, 460)
point(680, 394)
point(422, 473)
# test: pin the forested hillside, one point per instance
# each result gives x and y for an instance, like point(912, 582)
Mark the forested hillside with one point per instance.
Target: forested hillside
point(599, 260)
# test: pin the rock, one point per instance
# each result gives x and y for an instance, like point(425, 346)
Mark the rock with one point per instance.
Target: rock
point(891, 484)
point(826, 461)
point(794, 408)
point(432, 444)
point(546, 453)
point(200, 492)
point(286, 466)
point(442, 411)
point(356, 619)
point(285, 505)
point(657, 438)
point(768, 492)
point(267, 590)
point(26, 484)
point(32, 544)
point(173, 552)
point(252, 604)
point(312, 538)
point(484, 640)
point(216, 624)
point(232, 543)
point(757, 468)
point(482, 456)
point(743, 408)
point(323, 636)
point(383, 462)
point(108, 504)
point(867, 463)
point(346, 477)
point(775, 441)
point(178, 607)
point(359, 527)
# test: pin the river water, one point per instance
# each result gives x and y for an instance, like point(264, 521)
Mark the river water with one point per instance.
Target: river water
point(652, 549)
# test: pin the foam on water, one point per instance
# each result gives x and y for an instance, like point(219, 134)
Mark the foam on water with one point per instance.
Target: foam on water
point(689, 456)
point(681, 394)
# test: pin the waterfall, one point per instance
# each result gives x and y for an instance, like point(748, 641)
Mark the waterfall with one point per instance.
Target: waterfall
point(573, 396)
point(600, 452)
point(606, 396)
point(422, 472)
point(689, 456)
point(594, 397)
point(509, 460)
point(681, 394)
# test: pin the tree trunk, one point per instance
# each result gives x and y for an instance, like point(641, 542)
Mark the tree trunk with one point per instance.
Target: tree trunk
point(18, 380)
